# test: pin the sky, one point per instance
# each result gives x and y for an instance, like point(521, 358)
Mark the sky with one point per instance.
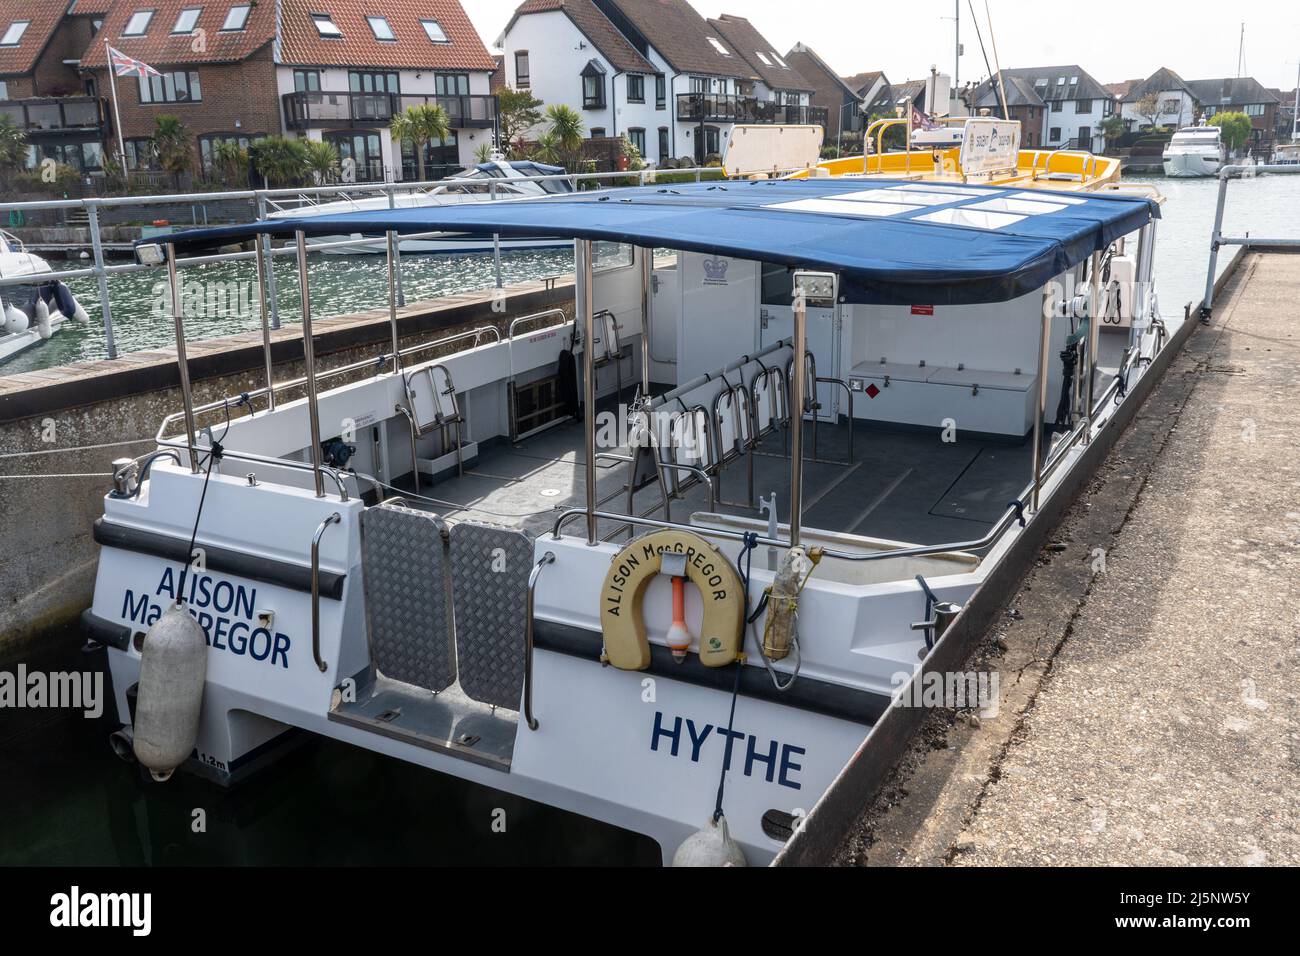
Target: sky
point(1113, 40)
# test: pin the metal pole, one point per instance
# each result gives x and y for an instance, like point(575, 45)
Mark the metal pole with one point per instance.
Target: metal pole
point(397, 253)
point(270, 267)
point(1044, 359)
point(182, 362)
point(496, 239)
point(797, 405)
point(1094, 339)
point(97, 249)
point(1207, 303)
point(392, 298)
point(309, 358)
point(263, 308)
point(584, 314)
point(647, 267)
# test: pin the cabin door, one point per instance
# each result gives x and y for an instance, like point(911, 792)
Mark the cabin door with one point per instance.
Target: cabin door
point(776, 322)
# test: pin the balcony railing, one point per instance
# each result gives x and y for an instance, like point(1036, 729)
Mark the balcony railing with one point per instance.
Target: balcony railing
point(362, 110)
point(729, 108)
point(68, 113)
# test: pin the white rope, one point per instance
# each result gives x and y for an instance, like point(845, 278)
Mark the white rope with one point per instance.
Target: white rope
point(59, 451)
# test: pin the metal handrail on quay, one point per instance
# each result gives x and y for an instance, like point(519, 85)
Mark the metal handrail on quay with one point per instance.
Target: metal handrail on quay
point(1218, 239)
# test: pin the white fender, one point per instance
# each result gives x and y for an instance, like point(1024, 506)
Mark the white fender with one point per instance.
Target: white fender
point(15, 320)
point(173, 668)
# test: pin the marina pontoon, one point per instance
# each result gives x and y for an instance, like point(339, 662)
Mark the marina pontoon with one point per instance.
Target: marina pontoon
point(698, 528)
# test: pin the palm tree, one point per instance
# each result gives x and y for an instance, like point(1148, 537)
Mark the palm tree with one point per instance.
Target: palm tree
point(171, 144)
point(230, 161)
point(547, 149)
point(419, 126)
point(280, 159)
point(322, 160)
point(13, 145)
point(565, 125)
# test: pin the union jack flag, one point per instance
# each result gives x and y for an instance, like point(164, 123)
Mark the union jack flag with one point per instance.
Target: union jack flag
point(921, 121)
point(124, 65)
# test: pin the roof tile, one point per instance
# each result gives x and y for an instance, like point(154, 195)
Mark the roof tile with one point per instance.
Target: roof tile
point(42, 19)
point(302, 45)
point(743, 38)
point(597, 28)
point(159, 47)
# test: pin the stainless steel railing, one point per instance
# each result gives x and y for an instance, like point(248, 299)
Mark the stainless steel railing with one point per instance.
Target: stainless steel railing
point(335, 518)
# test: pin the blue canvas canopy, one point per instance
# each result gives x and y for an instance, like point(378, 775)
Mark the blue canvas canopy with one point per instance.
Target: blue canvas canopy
point(892, 241)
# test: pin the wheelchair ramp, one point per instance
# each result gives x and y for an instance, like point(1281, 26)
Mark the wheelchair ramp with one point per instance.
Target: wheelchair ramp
point(489, 574)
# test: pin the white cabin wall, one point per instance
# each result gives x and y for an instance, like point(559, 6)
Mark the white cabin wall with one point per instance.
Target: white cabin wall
point(719, 314)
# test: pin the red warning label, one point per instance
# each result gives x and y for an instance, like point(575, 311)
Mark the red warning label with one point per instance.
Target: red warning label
point(923, 310)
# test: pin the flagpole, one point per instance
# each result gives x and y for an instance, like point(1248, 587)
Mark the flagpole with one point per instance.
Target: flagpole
point(117, 113)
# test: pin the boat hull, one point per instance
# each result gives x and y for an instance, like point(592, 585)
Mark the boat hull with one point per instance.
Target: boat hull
point(1186, 165)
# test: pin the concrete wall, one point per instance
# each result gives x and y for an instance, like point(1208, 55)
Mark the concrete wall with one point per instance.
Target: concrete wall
point(47, 418)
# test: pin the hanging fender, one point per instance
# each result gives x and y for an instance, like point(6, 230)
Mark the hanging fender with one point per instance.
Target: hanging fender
point(622, 598)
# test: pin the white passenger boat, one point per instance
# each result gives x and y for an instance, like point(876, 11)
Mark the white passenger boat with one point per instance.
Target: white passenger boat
point(576, 580)
point(1194, 151)
point(499, 178)
point(30, 311)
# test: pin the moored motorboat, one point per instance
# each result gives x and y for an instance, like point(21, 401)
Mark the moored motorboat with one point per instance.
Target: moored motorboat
point(1194, 151)
point(30, 311)
point(463, 560)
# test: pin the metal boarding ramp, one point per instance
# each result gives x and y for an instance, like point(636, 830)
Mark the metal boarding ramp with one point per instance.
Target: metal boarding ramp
point(432, 405)
point(448, 616)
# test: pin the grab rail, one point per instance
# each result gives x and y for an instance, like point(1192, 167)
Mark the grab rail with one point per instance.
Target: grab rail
point(547, 558)
point(315, 588)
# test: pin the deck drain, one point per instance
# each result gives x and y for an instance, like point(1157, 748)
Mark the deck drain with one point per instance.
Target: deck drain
point(550, 492)
point(388, 716)
point(468, 740)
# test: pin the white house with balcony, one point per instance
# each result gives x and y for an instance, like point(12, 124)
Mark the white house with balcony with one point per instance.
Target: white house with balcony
point(342, 75)
point(1073, 104)
point(654, 71)
point(1167, 95)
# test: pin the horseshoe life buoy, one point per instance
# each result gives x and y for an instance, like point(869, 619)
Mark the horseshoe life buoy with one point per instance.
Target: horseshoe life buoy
point(623, 593)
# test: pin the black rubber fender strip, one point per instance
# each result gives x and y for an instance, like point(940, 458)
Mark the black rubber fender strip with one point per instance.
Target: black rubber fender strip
point(808, 693)
point(101, 631)
point(293, 576)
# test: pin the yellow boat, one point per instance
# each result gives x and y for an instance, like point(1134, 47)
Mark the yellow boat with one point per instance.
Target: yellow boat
point(1058, 169)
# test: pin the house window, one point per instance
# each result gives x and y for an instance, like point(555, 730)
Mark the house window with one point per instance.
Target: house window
point(1054, 135)
point(140, 153)
point(237, 18)
point(180, 87)
point(1083, 106)
point(187, 20)
point(326, 26)
point(360, 81)
point(661, 92)
point(451, 84)
point(359, 153)
point(1171, 106)
point(1254, 109)
point(637, 138)
point(208, 143)
point(763, 58)
point(138, 25)
point(306, 81)
point(598, 132)
point(4, 90)
point(380, 28)
point(701, 84)
point(14, 35)
point(717, 45)
point(635, 88)
point(83, 157)
point(593, 87)
point(664, 147)
point(1058, 106)
point(522, 79)
point(441, 158)
point(435, 31)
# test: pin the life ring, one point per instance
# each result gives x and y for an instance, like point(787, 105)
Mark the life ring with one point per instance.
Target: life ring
point(623, 593)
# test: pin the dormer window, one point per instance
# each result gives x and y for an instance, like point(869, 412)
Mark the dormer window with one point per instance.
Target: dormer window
point(717, 45)
point(593, 86)
point(435, 31)
point(380, 28)
point(14, 35)
point(187, 20)
point(237, 18)
point(138, 25)
point(326, 26)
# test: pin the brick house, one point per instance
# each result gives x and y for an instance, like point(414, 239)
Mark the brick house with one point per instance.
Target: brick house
point(331, 70)
point(842, 103)
point(41, 89)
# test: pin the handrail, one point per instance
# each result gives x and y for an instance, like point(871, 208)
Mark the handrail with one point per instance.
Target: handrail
point(700, 474)
point(315, 588)
point(1085, 169)
point(547, 558)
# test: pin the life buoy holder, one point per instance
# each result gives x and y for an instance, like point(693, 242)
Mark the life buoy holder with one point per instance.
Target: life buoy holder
point(622, 598)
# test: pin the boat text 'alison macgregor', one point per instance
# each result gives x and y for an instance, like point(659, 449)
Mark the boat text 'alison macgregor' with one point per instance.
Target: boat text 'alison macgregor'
point(659, 562)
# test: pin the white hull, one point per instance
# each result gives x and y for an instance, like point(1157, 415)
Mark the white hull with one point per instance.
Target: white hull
point(1183, 165)
point(11, 345)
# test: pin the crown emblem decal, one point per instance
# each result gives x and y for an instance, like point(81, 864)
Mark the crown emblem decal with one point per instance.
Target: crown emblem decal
point(715, 271)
